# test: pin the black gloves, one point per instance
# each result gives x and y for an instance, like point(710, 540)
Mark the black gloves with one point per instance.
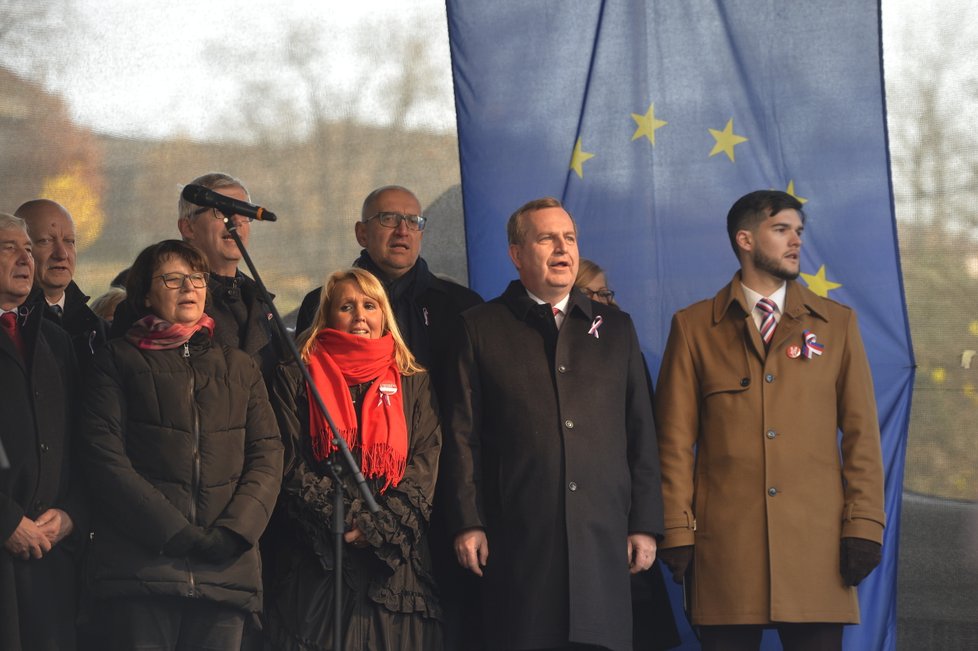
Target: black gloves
point(185, 540)
point(857, 558)
point(219, 544)
point(677, 559)
point(214, 545)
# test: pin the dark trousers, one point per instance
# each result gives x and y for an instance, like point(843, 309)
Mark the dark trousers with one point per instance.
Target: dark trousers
point(173, 624)
point(794, 637)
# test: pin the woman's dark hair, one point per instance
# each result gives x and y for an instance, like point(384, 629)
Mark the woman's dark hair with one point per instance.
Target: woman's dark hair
point(140, 277)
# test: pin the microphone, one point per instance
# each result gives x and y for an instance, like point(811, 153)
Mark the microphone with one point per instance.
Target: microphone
point(207, 198)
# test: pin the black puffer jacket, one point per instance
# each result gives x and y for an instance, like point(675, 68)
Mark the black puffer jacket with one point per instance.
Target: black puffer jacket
point(171, 438)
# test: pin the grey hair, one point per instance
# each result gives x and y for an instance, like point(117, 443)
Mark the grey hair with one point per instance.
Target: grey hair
point(211, 181)
point(8, 222)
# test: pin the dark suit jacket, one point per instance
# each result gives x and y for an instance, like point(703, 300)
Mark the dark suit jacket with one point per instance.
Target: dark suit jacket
point(36, 408)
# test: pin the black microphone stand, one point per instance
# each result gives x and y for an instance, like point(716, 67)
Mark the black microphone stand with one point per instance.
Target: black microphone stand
point(337, 460)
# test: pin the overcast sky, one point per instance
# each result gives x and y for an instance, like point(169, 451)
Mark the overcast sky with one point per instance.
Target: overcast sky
point(180, 68)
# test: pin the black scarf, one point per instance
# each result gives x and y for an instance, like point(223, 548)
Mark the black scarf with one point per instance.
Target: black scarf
point(405, 293)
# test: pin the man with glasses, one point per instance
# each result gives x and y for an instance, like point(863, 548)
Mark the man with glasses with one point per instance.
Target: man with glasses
point(390, 230)
point(242, 319)
point(52, 232)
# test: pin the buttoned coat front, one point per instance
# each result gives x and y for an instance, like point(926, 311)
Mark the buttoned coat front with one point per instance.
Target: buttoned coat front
point(551, 450)
point(768, 492)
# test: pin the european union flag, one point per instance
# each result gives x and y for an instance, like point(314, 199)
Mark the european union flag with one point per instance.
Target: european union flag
point(648, 119)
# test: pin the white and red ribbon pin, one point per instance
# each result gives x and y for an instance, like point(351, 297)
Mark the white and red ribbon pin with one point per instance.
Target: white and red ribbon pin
point(386, 389)
point(810, 348)
point(598, 320)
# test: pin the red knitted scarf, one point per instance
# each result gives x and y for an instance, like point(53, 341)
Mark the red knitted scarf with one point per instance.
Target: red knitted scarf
point(339, 360)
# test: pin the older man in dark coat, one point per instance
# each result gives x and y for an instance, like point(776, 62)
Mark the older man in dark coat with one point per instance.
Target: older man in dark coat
point(552, 463)
point(38, 510)
point(52, 233)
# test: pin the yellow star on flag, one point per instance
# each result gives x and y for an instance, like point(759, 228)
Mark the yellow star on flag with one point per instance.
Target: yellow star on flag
point(647, 124)
point(578, 158)
point(726, 140)
point(791, 191)
point(819, 283)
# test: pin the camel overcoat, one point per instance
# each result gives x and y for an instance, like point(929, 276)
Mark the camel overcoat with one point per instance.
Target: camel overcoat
point(769, 491)
point(551, 449)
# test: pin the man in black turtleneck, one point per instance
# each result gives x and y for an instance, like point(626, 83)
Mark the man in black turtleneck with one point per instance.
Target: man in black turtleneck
point(390, 231)
point(426, 307)
point(242, 320)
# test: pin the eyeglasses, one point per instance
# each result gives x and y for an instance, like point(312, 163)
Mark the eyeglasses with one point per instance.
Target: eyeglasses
point(218, 215)
point(176, 280)
point(606, 294)
point(394, 219)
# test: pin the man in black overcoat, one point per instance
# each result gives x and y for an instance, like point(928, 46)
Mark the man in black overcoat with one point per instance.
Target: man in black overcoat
point(551, 458)
point(40, 513)
point(55, 293)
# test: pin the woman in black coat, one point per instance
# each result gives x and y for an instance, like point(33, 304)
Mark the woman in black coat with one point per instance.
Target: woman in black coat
point(383, 405)
point(184, 459)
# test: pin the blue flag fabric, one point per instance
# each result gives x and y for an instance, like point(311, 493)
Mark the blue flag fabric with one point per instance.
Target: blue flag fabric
point(648, 119)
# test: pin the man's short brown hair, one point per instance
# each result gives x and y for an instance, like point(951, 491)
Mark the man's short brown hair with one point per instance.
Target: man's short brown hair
point(516, 226)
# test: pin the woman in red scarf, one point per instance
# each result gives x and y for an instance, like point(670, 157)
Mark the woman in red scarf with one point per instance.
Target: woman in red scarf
point(383, 406)
point(184, 461)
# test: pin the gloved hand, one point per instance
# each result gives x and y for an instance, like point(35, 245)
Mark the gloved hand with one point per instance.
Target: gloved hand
point(857, 558)
point(677, 559)
point(219, 544)
point(185, 540)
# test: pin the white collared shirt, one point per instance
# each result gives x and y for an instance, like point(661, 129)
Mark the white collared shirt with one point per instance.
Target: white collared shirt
point(560, 305)
point(753, 297)
point(60, 302)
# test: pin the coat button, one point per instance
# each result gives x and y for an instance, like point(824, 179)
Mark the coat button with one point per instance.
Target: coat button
point(769, 377)
point(38, 506)
point(44, 447)
point(569, 424)
point(561, 369)
point(772, 491)
point(572, 486)
point(771, 434)
point(745, 382)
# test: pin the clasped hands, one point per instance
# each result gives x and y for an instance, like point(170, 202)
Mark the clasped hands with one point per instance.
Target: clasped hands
point(35, 538)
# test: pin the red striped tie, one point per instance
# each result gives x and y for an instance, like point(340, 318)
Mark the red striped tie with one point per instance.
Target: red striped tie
point(768, 323)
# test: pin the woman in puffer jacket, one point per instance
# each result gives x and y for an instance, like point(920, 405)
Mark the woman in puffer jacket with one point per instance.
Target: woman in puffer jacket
point(184, 461)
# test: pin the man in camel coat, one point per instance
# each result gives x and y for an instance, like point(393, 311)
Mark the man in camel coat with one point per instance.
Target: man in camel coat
point(770, 516)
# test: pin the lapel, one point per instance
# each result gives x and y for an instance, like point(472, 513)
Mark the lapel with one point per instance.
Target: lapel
point(731, 300)
point(7, 349)
point(799, 303)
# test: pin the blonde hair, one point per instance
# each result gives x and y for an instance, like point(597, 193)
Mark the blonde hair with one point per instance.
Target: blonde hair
point(588, 270)
point(369, 285)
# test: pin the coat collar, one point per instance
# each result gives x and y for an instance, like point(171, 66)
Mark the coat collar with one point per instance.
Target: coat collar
point(516, 298)
point(798, 301)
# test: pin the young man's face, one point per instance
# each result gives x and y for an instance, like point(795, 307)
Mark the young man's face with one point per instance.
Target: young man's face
point(776, 245)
